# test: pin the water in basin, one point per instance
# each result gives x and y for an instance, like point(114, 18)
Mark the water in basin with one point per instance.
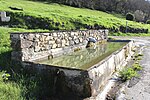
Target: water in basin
point(85, 58)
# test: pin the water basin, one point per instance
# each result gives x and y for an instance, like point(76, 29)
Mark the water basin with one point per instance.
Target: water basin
point(85, 58)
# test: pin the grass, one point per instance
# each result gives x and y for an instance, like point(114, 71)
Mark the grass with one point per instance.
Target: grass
point(9, 90)
point(18, 88)
point(129, 34)
point(127, 74)
point(130, 72)
point(68, 15)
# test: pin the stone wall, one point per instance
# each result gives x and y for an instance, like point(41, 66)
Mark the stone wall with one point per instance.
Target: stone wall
point(35, 46)
point(83, 83)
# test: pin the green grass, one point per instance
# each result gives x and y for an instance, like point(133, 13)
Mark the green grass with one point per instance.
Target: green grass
point(130, 72)
point(129, 34)
point(21, 87)
point(9, 90)
point(66, 14)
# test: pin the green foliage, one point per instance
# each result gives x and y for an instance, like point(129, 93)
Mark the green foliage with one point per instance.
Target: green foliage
point(5, 76)
point(61, 17)
point(137, 57)
point(127, 74)
point(130, 17)
point(9, 90)
point(128, 34)
point(148, 22)
point(19, 87)
point(77, 49)
point(137, 67)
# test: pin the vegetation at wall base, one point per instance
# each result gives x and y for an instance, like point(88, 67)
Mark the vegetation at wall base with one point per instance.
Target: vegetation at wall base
point(129, 72)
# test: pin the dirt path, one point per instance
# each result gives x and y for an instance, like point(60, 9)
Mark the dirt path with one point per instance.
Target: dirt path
point(141, 90)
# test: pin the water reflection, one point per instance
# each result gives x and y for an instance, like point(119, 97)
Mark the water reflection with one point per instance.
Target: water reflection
point(85, 58)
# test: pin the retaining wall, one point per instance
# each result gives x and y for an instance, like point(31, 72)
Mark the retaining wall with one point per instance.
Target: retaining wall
point(35, 46)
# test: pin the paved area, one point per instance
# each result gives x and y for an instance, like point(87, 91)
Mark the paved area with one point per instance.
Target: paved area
point(141, 90)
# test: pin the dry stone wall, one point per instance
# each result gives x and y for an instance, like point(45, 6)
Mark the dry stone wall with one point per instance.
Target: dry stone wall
point(35, 46)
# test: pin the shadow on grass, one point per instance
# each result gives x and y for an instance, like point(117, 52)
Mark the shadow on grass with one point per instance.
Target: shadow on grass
point(34, 86)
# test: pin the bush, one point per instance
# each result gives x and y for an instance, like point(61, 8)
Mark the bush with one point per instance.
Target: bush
point(148, 22)
point(137, 67)
point(129, 16)
point(127, 74)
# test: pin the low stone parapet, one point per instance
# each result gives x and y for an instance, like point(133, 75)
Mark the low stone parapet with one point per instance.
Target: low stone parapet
point(34, 46)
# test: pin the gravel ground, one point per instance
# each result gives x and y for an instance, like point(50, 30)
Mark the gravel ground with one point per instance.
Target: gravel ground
point(139, 88)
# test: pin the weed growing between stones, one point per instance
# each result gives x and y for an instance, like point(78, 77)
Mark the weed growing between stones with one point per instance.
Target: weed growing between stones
point(77, 49)
point(136, 67)
point(130, 72)
point(127, 74)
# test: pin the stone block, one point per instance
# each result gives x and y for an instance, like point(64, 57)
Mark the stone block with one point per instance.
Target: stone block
point(4, 18)
point(80, 40)
point(71, 42)
point(67, 43)
point(56, 50)
point(58, 41)
point(16, 55)
point(54, 46)
point(37, 49)
point(72, 33)
point(55, 34)
point(47, 38)
point(27, 44)
point(76, 41)
point(52, 42)
point(59, 45)
point(15, 36)
point(70, 38)
point(16, 44)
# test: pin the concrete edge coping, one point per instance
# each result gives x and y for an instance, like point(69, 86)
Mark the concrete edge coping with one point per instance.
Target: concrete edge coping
point(113, 54)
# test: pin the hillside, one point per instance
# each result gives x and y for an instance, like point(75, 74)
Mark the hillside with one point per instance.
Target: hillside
point(61, 17)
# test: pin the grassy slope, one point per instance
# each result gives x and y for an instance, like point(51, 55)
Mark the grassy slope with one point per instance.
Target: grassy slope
point(66, 13)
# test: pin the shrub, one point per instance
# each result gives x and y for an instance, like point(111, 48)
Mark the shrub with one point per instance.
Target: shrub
point(129, 16)
point(148, 22)
point(137, 67)
point(127, 74)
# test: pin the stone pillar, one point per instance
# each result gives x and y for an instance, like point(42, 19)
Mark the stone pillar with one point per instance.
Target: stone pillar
point(4, 18)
